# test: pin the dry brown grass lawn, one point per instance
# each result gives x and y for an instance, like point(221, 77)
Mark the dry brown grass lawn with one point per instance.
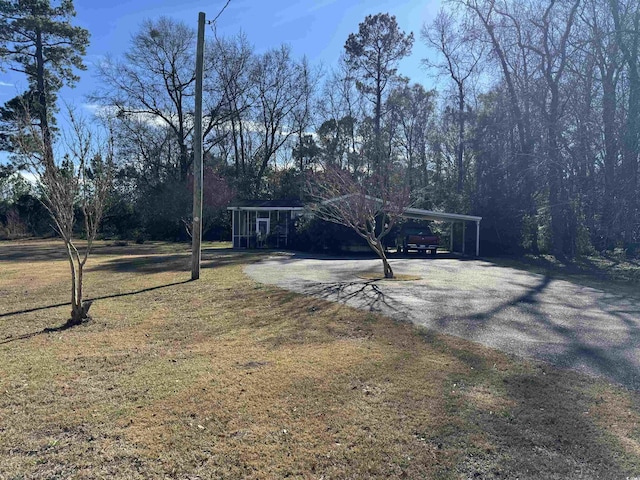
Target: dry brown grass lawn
point(225, 378)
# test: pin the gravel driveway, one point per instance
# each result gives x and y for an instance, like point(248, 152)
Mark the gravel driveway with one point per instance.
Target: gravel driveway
point(522, 313)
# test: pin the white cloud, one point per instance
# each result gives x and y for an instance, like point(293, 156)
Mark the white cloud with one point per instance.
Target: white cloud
point(28, 176)
point(95, 109)
point(5, 84)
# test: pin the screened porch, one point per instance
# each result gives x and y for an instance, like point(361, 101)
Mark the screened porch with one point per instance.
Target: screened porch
point(263, 223)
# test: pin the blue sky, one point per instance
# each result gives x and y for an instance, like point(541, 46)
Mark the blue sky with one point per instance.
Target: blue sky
point(316, 28)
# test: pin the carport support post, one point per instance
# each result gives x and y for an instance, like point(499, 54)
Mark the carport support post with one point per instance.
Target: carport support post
point(477, 239)
point(233, 228)
point(464, 227)
point(451, 237)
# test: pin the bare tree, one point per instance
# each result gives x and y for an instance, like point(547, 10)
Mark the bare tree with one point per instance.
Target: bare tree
point(265, 102)
point(507, 33)
point(82, 179)
point(233, 62)
point(155, 83)
point(279, 89)
point(341, 106)
point(609, 65)
point(552, 48)
point(370, 207)
point(412, 108)
point(626, 18)
point(303, 113)
point(460, 61)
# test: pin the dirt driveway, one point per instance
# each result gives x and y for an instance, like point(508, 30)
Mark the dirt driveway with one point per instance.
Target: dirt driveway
point(526, 314)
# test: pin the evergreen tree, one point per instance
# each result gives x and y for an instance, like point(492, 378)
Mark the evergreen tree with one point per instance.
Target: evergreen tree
point(38, 40)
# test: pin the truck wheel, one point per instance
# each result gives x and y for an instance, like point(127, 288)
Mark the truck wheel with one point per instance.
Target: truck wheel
point(433, 253)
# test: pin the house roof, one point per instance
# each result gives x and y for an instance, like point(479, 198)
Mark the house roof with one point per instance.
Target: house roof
point(266, 205)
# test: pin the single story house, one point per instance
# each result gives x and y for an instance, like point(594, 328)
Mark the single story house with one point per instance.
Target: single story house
point(270, 223)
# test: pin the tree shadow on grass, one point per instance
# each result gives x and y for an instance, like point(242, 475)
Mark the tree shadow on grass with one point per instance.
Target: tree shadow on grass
point(32, 251)
point(218, 258)
point(539, 426)
point(549, 418)
point(147, 264)
point(542, 430)
point(176, 262)
point(42, 250)
point(66, 326)
point(60, 328)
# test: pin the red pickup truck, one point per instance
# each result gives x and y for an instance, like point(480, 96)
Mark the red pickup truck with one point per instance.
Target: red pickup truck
point(416, 237)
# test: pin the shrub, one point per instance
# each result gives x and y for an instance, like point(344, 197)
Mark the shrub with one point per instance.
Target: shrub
point(315, 235)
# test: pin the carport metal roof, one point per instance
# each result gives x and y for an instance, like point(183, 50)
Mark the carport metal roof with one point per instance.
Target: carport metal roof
point(420, 214)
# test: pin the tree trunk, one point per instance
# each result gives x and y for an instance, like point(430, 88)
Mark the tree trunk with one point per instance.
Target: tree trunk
point(184, 160)
point(43, 111)
point(630, 152)
point(79, 309)
point(388, 272)
point(378, 167)
point(79, 314)
point(610, 156)
point(555, 172)
point(236, 153)
point(460, 153)
point(376, 246)
point(300, 155)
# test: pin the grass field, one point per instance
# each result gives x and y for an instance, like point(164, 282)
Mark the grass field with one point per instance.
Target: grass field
point(226, 378)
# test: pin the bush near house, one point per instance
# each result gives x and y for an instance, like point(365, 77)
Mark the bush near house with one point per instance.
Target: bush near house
point(316, 235)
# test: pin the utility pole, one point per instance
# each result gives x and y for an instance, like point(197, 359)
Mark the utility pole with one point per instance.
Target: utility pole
point(196, 229)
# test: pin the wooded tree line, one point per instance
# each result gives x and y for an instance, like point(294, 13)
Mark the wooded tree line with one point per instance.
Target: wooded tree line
point(534, 125)
point(553, 134)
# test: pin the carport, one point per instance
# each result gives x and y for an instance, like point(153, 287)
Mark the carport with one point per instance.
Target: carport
point(420, 214)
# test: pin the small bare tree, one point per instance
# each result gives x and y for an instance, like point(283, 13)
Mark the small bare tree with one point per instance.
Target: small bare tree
point(82, 180)
point(370, 207)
